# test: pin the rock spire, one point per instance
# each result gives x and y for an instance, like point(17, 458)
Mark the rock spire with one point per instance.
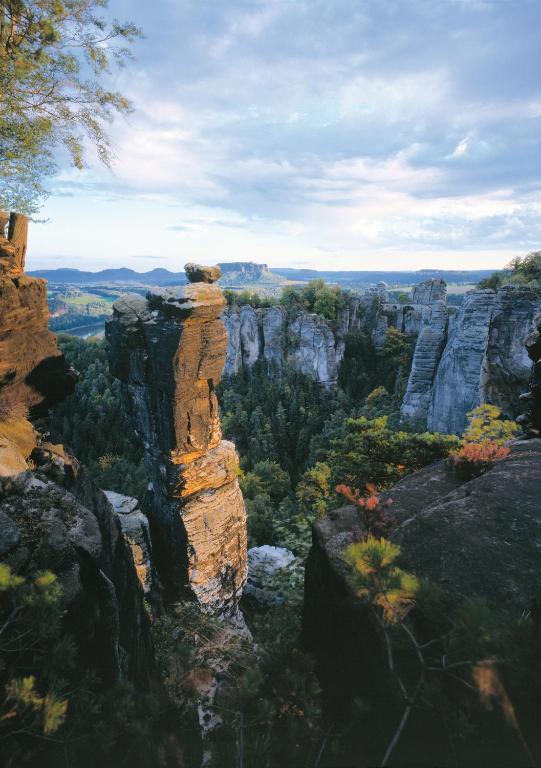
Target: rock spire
point(168, 350)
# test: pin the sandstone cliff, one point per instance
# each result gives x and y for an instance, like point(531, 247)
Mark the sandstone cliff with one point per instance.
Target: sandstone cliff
point(33, 373)
point(484, 359)
point(51, 516)
point(168, 350)
point(303, 340)
point(478, 539)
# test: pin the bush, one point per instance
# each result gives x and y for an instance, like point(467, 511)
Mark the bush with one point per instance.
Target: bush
point(373, 513)
point(473, 459)
point(485, 423)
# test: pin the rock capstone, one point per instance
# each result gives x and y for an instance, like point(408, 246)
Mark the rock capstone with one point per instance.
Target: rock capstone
point(197, 273)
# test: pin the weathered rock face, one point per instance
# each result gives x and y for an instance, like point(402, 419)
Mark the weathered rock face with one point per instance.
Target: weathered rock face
point(479, 538)
point(169, 351)
point(303, 340)
point(313, 348)
point(13, 247)
point(484, 359)
point(52, 518)
point(136, 532)
point(531, 420)
point(33, 373)
point(264, 564)
point(43, 525)
point(428, 349)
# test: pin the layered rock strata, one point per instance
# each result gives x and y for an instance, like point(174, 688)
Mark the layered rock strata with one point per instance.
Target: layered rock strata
point(484, 359)
point(51, 516)
point(33, 373)
point(168, 350)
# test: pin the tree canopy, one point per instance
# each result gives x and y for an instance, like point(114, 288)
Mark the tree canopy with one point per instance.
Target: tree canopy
point(55, 56)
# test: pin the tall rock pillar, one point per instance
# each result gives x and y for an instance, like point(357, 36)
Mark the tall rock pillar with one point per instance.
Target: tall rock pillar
point(168, 350)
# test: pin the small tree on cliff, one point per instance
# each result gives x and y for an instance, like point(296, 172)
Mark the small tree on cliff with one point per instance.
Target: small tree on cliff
point(54, 55)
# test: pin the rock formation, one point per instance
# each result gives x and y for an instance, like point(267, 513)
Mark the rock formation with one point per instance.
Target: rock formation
point(431, 324)
point(462, 358)
point(73, 532)
point(136, 532)
point(478, 538)
point(265, 563)
point(51, 516)
point(303, 340)
point(168, 350)
point(484, 360)
point(33, 373)
point(531, 420)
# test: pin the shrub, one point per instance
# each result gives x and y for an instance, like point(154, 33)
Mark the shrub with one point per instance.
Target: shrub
point(379, 581)
point(475, 458)
point(485, 423)
point(373, 513)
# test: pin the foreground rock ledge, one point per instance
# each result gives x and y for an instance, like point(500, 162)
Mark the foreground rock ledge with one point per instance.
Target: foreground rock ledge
point(168, 350)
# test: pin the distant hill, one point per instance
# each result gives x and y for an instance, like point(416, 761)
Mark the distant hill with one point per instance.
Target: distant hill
point(122, 276)
point(247, 273)
point(392, 278)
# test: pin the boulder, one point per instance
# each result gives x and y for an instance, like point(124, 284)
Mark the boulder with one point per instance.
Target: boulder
point(264, 563)
point(74, 533)
point(197, 273)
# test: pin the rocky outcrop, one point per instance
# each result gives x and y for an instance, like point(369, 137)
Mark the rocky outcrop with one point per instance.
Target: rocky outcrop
point(428, 316)
point(475, 539)
point(265, 563)
point(531, 420)
point(302, 340)
point(33, 373)
point(136, 531)
point(51, 516)
point(484, 360)
point(168, 350)
point(74, 533)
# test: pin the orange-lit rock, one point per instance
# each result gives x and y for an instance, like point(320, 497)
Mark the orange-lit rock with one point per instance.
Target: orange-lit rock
point(169, 350)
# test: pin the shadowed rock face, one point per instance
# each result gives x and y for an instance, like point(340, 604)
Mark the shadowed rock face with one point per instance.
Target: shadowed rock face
point(33, 373)
point(168, 351)
point(531, 420)
point(475, 539)
point(74, 533)
point(52, 518)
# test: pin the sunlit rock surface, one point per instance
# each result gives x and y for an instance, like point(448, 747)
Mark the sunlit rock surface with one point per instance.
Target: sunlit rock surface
point(168, 350)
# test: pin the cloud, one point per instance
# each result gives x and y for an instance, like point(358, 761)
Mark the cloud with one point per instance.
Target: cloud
point(316, 127)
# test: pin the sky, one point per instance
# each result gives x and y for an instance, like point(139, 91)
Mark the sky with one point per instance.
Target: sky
point(331, 134)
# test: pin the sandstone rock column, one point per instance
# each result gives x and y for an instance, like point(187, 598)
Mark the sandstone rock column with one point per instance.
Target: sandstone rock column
point(531, 420)
point(168, 350)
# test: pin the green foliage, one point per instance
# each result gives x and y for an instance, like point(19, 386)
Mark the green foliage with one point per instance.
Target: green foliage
point(485, 423)
point(317, 296)
point(34, 659)
point(377, 579)
point(252, 298)
point(371, 452)
point(314, 489)
point(92, 424)
point(525, 270)
point(268, 702)
point(365, 368)
point(54, 56)
point(272, 419)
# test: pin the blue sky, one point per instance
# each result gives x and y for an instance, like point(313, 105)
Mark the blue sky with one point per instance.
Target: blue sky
point(345, 134)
